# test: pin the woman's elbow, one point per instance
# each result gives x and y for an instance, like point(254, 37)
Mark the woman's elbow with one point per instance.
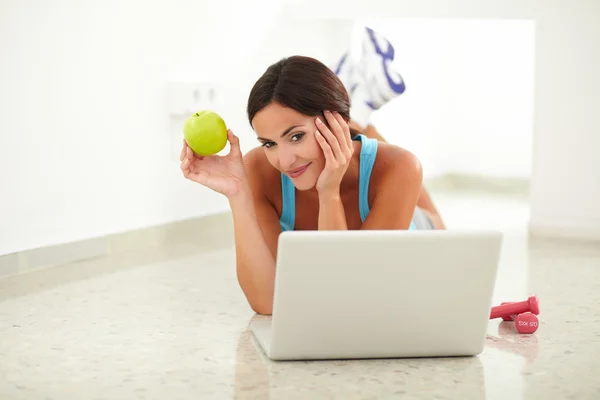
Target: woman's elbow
point(261, 306)
point(262, 309)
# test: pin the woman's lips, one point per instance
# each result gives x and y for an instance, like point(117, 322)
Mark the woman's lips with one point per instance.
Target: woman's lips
point(294, 173)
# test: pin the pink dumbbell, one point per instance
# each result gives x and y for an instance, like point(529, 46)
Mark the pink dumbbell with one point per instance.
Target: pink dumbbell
point(526, 323)
point(523, 313)
point(507, 317)
point(530, 305)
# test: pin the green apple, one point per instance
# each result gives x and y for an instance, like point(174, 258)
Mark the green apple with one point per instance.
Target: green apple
point(205, 132)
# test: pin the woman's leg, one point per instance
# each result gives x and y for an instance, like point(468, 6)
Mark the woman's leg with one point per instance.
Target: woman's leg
point(424, 202)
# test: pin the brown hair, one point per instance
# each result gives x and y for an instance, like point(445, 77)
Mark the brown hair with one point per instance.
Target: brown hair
point(303, 84)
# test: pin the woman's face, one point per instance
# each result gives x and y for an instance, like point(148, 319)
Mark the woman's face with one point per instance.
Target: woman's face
point(288, 139)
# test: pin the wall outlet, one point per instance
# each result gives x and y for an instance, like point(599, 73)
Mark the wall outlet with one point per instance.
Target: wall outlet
point(187, 98)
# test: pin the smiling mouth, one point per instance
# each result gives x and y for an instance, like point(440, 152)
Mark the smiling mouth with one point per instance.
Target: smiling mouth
point(299, 171)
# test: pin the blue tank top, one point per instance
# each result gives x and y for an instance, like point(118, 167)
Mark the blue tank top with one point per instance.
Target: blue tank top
point(368, 152)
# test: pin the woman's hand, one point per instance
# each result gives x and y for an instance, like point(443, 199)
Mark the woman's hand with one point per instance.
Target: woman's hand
point(338, 150)
point(223, 174)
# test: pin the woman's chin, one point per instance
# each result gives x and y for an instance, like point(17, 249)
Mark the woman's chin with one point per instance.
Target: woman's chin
point(304, 183)
point(304, 186)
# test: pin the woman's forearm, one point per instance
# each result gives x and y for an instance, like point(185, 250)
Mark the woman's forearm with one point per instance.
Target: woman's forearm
point(331, 212)
point(255, 264)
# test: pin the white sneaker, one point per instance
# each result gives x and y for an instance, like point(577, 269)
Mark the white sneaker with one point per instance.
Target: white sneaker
point(345, 70)
point(375, 70)
point(368, 75)
point(360, 107)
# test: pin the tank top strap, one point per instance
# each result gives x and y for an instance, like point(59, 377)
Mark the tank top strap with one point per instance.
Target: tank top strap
point(288, 204)
point(368, 153)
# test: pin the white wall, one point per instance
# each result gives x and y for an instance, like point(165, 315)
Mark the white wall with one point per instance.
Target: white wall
point(468, 106)
point(351, 9)
point(565, 187)
point(85, 141)
point(85, 145)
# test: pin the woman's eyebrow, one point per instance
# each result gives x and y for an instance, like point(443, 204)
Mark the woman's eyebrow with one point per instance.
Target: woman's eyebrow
point(288, 130)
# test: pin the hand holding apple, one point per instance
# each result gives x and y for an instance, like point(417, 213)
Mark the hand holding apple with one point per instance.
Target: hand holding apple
point(223, 174)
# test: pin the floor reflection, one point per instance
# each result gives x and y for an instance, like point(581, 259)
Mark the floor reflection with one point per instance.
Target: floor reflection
point(257, 377)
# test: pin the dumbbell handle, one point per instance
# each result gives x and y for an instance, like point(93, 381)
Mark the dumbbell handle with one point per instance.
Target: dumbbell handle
point(529, 305)
point(508, 317)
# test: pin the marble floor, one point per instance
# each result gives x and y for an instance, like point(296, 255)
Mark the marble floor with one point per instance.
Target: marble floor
point(171, 323)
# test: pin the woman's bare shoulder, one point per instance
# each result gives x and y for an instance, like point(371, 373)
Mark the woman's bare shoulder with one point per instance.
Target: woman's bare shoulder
point(395, 161)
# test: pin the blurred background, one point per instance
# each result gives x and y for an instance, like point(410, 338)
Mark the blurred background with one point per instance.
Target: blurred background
point(502, 98)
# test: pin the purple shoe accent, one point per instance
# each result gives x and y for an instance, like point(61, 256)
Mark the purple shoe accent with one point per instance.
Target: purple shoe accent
point(390, 53)
point(398, 87)
point(341, 63)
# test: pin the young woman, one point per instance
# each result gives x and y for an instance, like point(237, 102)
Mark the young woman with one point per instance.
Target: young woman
point(312, 171)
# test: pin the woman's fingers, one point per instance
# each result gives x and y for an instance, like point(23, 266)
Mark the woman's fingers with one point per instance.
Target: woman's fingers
point(185, 166)
point(342, 135)
point(183, 151)
point(336, 128)
point(345, 129)
point(234, 142)
point(189, 161)
point(329, 157)
point(193, 170)
point(330, 138)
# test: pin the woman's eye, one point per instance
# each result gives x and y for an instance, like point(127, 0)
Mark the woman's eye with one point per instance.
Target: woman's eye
point(293, 138)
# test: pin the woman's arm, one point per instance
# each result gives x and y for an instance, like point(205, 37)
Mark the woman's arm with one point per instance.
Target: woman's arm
point(331, 213)
point(397, 186)
point(256, 229)
point(255, 264)
point(424, 201)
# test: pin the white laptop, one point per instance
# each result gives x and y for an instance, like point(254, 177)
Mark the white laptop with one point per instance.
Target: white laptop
point(380, 294)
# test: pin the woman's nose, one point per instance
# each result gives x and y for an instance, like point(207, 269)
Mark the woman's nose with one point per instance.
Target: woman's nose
point(286, 159)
